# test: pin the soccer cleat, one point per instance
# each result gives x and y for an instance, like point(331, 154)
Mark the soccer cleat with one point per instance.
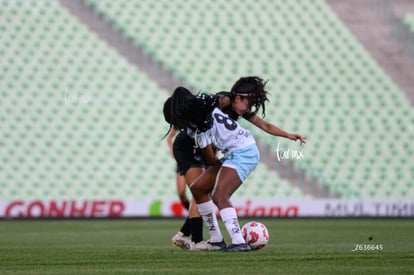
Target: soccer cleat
point(181, 241)
point(200, 246)
point(217, 245)
point(207, 246)
point(242, 247)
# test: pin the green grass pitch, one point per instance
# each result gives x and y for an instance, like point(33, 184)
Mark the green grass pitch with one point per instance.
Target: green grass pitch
point(297, 246)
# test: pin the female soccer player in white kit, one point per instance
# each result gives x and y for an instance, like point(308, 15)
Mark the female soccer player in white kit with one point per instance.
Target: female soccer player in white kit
point(241, 158)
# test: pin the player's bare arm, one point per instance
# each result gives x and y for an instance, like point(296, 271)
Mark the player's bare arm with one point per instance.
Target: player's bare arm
point(274, 130)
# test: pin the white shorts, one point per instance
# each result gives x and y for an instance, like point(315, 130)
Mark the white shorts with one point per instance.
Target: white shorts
point(243, 160)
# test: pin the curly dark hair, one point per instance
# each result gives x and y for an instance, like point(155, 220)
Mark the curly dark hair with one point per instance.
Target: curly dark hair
point(252, 87)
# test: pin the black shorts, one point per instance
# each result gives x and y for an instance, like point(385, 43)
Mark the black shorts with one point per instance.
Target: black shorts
point(187, 154)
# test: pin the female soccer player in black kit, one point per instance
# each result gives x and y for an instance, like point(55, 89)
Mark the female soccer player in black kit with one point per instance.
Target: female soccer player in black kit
point(191, 164)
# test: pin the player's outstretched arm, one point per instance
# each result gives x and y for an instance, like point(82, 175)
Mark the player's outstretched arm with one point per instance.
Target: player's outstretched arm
point(274, 130)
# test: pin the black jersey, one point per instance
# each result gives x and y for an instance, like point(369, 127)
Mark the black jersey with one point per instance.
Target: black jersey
point(201, 108)
point(200, 111)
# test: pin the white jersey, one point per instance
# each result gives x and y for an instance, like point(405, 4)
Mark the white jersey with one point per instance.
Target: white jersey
point(226, 134)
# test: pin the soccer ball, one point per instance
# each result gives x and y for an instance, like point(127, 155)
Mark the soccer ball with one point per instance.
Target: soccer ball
point(255, 234)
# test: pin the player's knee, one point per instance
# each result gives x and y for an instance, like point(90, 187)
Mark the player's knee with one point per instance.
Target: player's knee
point(220, 200)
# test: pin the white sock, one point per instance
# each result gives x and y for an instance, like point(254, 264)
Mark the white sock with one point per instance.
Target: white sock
point(229, 217)
point(208, 213)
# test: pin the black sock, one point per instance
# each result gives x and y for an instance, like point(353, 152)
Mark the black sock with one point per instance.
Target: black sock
point(186, 228)
point(196, 225)
point(186, 204)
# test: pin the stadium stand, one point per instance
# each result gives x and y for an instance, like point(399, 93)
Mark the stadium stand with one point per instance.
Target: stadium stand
point(79, 121)
point(326, 85)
